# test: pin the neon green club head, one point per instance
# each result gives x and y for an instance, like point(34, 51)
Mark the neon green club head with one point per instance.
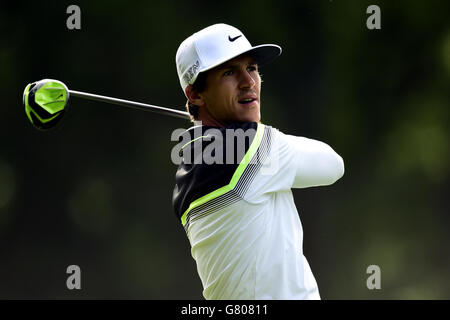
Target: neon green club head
point(45, 102)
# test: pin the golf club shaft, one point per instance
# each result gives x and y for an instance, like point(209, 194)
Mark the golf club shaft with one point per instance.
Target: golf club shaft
point(131, 104)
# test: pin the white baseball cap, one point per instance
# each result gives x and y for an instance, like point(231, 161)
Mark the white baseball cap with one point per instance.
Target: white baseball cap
point(213, 46)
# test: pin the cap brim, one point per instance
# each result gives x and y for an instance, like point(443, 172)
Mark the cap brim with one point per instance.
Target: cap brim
point(263, 54)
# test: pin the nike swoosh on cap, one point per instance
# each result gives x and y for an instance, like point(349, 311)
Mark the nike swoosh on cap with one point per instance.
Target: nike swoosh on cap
point(232, 39)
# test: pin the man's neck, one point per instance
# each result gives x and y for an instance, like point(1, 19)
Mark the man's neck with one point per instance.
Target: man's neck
point(206, 119)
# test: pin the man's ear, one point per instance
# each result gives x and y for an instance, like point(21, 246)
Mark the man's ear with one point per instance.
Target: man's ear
point(194, 97)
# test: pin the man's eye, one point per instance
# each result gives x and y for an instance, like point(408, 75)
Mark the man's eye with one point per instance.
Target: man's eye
point(251, 68)
point(228, 73)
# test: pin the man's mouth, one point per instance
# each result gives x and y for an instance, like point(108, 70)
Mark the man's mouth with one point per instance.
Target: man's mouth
point(248, 101)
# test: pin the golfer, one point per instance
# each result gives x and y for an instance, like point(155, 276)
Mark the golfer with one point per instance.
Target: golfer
point(238, 211)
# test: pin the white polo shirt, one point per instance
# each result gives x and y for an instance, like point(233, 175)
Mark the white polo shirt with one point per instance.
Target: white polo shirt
point(241, 220)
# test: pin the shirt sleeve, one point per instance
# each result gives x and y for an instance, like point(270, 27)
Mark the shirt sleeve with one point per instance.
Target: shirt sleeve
point(297, 162)
point(313, 162)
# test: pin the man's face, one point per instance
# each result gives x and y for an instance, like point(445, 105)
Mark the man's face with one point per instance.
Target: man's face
point(233, 90)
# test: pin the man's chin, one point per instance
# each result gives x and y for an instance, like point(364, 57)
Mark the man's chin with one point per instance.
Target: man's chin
point(251, 118)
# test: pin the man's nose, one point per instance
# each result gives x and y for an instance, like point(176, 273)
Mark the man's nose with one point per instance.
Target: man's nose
point(246, 80)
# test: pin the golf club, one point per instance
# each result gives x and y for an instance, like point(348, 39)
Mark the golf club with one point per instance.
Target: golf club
point(46, 102)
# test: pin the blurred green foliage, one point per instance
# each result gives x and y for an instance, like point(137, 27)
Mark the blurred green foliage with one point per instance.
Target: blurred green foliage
point(96, 191)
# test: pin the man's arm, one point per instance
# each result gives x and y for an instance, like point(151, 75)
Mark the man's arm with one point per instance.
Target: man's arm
point(294, 162)
point(315, 162)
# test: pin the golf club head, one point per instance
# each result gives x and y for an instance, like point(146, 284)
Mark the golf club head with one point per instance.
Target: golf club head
point(45, 103)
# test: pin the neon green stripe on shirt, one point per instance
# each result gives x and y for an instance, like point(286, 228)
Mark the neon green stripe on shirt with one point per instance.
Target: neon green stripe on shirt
point(236, 176)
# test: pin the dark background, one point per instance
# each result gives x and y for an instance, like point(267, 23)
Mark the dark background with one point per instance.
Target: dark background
point(96, 191)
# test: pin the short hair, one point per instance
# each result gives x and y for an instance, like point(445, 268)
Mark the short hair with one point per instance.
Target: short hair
point(198, 86)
